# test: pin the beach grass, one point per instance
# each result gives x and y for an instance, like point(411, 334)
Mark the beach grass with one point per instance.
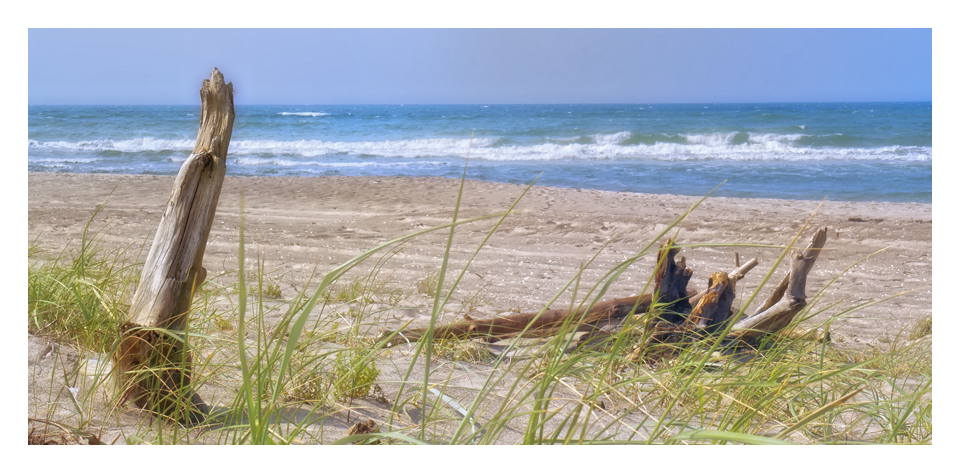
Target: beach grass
point(81, 294)
point(293, 369)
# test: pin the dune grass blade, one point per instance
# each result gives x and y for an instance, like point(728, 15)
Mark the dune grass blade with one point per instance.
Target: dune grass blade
point(816, 413)
point(258, 431)
point(469, 413)
point(725, 436)
point(374, 437)
point(490, 381)
point(425, 343)
point(436, 309)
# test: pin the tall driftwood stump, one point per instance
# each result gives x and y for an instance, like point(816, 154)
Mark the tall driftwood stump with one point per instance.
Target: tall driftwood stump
point(152, 363)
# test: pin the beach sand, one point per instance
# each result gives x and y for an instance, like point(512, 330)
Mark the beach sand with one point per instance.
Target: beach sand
point(305, 224)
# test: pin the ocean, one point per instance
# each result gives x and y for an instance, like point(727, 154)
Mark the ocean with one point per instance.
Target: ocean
point(838, 151)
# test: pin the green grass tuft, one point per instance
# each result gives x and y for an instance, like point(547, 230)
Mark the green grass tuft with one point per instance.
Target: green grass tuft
point(80, 297)
point(922, 328)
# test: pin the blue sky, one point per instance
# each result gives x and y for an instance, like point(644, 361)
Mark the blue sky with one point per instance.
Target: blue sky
point(442, 66)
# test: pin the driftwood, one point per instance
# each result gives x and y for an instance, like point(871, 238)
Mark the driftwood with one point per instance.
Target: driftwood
point(669, 280)
point(151, 364)
point(681, 313)
point(713, 312)
point(670, 287)
point(670, 284)
point(788, 299)
point(714, 309)
point(541, 324)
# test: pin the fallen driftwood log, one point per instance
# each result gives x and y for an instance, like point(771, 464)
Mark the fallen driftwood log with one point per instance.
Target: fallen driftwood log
point(549, 322)
point(681, 312)
point(151, 364)
point(541, 324)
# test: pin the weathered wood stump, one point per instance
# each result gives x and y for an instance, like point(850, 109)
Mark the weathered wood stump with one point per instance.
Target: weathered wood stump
point(151, 364)
point(671, 294)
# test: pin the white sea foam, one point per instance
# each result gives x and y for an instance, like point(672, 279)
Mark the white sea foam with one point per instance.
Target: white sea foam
point(250, 161)
point(305, 114)
point(612, 138)
point(717, 146)
point(62, 161)
point(752, 151)
point(418, 148)
point(713, 139)
point(65, 163)
point(134, 145)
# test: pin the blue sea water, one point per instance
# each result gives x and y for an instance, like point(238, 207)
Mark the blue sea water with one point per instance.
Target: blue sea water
point(838, 151)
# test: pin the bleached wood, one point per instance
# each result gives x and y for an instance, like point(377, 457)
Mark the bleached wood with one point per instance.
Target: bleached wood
point(788, 298)
point(152, 368)
point(173, 268)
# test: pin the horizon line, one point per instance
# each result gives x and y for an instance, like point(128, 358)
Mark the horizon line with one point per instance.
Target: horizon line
point(495, 103)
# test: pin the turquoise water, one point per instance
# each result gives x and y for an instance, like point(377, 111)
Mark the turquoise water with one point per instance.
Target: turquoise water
point(844, 152)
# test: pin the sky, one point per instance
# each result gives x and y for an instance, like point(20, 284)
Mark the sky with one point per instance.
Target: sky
point(479, 66)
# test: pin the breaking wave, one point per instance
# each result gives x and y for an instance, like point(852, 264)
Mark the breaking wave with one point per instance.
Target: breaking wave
point(738, 146)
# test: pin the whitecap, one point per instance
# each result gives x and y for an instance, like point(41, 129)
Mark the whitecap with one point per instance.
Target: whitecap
point(612, 138)
point(305, 114)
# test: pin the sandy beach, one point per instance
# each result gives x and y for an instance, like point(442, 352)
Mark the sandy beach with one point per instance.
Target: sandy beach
point(303, 225)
